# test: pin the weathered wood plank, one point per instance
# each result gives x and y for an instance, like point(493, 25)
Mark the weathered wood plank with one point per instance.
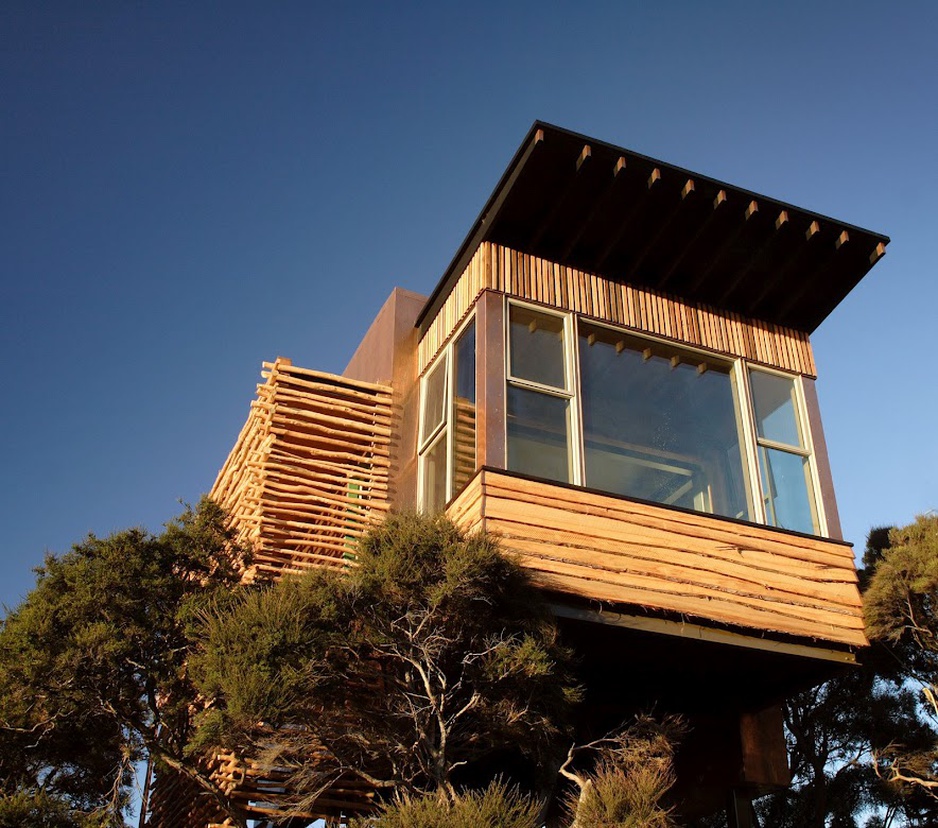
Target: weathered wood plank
point(309, 471)
point(611, 548)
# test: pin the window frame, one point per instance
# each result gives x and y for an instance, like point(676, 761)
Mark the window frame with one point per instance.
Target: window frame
point(739, 369)
point(570, 392)
point(755, 443)
point(446, 359)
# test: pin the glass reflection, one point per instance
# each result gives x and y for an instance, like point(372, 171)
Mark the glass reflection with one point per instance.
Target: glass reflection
point(537, 347)
point(660, 424)
point(434, 476)
point(433, 400)
point(786, 484)
point(773, 398)
point(538, 429)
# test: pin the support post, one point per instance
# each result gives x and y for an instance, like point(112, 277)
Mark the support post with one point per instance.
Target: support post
point(739, 811)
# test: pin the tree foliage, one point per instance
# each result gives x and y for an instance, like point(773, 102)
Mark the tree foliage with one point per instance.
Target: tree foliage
point(93, 663)
point(429, 654)
point(902, 612)
point(429, 667)
point(630, 775)
point(37, 809)
point(839, 732)
point(495, 806)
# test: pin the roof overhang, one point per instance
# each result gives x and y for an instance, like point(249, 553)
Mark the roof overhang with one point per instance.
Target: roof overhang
point(604, 209)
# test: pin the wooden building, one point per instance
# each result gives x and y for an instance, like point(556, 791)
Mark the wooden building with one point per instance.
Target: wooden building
point(614, 375)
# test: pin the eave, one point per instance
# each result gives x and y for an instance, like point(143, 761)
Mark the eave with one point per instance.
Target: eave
point(604, 209)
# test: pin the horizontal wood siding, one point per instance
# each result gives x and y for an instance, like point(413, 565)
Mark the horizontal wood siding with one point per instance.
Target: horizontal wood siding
point(309, 470)
point(529, 277)
point(612, 549)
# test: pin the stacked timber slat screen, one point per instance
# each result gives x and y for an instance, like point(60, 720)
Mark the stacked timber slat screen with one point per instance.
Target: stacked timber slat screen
point(499, 268)
point(306, 477)
point(259, 791)
point(177, 802)
point(627, 553)
point(309, 471)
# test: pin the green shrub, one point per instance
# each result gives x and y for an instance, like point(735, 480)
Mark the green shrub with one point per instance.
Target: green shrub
point(498, 806)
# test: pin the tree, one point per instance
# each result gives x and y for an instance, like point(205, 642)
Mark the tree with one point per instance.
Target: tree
point(93, 665)
point(24, 809)
point(632, 772)
point(837, 730)
point(430, 661)
point(902, 611)
point(496, 806)
point(429, 668)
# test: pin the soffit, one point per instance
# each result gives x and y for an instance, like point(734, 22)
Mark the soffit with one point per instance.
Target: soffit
point(607, 210)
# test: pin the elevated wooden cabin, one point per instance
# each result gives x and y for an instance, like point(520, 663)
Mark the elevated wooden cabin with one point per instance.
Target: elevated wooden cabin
point(615, 375)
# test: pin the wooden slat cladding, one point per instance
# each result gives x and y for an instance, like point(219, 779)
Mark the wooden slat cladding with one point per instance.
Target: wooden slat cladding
point(608, 548)
point(309, 470)
point(306, 477)
point(528, 277)
point(263, 791)
point(259, 791)
point(175, 800)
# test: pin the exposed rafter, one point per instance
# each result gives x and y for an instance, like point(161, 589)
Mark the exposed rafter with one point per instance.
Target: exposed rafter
point(604, 209)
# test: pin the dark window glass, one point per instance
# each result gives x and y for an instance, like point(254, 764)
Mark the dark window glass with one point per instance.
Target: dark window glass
point(464, 408)
point(660, 424)
point(537, 348)
point(538, 434)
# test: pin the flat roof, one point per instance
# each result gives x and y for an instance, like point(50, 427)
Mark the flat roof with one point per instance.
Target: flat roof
point(604, 209)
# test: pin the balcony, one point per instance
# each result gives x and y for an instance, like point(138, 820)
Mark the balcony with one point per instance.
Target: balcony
point(654, 561)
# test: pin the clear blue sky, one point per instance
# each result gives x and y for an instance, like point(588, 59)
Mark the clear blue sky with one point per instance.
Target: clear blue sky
point(191, 188)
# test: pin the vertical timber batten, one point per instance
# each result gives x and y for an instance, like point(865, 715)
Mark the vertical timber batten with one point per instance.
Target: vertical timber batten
point(494, 267)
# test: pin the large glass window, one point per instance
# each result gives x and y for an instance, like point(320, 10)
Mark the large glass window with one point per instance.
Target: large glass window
point(596, 406)
point(538, 404)
point(660, 424)
point(588, 404)
point(447, 444)
point(433, 415)
point(784, 460)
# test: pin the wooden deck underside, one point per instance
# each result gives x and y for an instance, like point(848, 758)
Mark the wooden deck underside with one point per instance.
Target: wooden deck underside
point(706, 569)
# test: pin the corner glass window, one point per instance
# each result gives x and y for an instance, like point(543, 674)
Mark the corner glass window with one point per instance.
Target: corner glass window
point(537, 347)
point(434, 400)
point(774, 401)
point(593, 405)
point(538, 428)
point(434, 475)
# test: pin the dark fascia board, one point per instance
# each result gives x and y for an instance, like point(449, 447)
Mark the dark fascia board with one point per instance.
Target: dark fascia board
point(483, 224)
point(477, 234)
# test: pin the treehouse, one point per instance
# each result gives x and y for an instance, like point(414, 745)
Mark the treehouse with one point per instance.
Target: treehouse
point(615, 376)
